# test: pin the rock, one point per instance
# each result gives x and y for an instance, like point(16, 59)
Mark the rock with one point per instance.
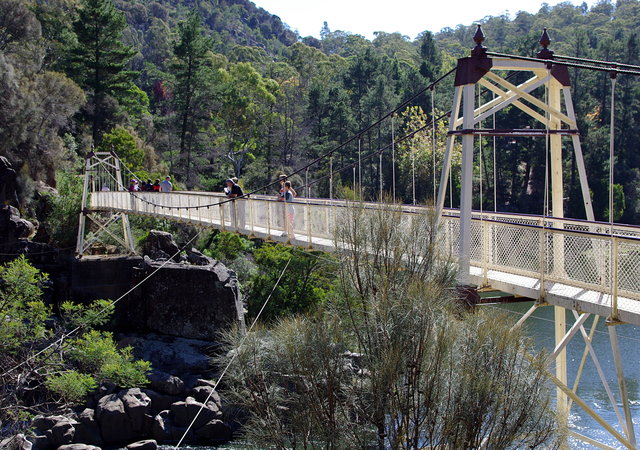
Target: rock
point(8, 183)
point(183, 413)
point(17, 442)
point(135, 404)
point(196, 257)
point(159, 402)
point(44, 423)
point(62, 432)
point(206, 394)
point(160, 243)
point(189, 301)
point(214, 432)
point(170, 354)
point(78, 447)
point(87, 430)
point(40, 441)
point(166, 383)
point(148, 444)
point(162, 430)
point(115, 426)
point(12, 226)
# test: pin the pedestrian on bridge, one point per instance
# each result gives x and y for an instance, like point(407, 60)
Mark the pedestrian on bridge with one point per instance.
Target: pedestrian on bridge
point(290, 211)
point(234, 191)
point(166, 185)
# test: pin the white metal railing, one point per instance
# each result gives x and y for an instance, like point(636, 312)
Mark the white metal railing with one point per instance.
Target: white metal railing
point(573, 252)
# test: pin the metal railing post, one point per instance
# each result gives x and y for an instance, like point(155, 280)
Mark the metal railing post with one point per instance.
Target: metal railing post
point(614, 279)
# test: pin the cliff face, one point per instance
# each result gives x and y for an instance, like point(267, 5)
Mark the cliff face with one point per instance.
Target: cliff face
point(191, 300)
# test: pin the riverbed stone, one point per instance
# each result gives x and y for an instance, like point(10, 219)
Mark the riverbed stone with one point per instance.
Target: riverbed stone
point(162, 429)
point(148, 444)
point(78, 447)
point(183, 413)
point(166, 383)
point(17, 442)
point(214, 432)
point(115, 425)
point(62, 432)
point(136, 403)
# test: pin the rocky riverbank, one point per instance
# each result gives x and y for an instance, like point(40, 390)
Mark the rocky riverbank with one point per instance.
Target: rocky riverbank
point(171, 320)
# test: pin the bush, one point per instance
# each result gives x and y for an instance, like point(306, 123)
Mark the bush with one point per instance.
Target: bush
point(62, 222)
point(71, 386)
point(309, 279)
point(96, 353)
point(226, 246)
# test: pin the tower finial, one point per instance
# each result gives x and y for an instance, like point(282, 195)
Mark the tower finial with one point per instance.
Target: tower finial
point(545, 40)
point(479, 50)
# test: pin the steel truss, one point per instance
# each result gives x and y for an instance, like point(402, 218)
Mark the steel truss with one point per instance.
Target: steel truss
point(102, 172)
point(556, 114)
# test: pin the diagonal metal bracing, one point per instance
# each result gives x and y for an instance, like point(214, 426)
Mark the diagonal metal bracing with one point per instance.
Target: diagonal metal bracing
point(102, 228)
point(613, 336)
point(603, 379)
point(555, 112)
point(567, 338)
point(508, 99)
point(490, 105)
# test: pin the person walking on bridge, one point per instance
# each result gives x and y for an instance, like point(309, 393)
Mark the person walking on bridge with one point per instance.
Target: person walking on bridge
point(234, 191)
point(166, 185)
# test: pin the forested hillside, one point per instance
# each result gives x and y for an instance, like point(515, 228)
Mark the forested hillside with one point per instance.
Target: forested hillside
point(203, 90)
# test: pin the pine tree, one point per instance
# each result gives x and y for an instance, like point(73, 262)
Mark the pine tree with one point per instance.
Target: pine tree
point(189, 70)
point(99, 60)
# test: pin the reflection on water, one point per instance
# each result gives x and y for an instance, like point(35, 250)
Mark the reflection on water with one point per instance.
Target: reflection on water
point(541, 327)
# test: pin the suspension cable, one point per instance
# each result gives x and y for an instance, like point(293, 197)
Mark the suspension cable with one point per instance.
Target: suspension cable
point(565, 63)
point(612, 118)
point(393, 157)
point(433, 141)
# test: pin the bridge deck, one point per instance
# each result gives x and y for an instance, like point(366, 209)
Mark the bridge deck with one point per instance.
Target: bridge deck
point(582, 265)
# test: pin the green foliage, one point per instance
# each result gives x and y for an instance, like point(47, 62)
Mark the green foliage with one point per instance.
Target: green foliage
point(121, 141)
point(62, 221)
point(226, 246)
point(96, 353)
point(98, 61)
point(21, 307)
point(71, 386)
point(41, 354)
point(305, 286)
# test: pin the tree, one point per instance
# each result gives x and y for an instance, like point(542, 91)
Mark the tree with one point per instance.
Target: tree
point(98, 61)
point(188, 68)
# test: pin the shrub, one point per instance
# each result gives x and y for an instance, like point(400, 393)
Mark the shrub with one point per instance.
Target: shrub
point(307, 283)
point(71, 386)
point(62, 222)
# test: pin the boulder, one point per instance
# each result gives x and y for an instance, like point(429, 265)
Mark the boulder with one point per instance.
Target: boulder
point(206, 394)
point(166, 383)
point(12, 226)
point(159, 402)
point(214, 432)
point(188, 301)
point(194, 256)
point(8, 183)
point(44, 423)
point(17, 442)
point(78, 447)
point(170, 354)
point(62, 432)
point(135, 404)
point(162, 430)
point(160, 245)
point(183, 413)
point(148, 444)
point(40, 441)
point(115, 426)
point(87, 430)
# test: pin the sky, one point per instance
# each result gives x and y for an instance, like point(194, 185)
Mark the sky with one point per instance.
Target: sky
point(409, 17)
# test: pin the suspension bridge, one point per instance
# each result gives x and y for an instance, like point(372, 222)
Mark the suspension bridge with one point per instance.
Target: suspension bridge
point(582, 266)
